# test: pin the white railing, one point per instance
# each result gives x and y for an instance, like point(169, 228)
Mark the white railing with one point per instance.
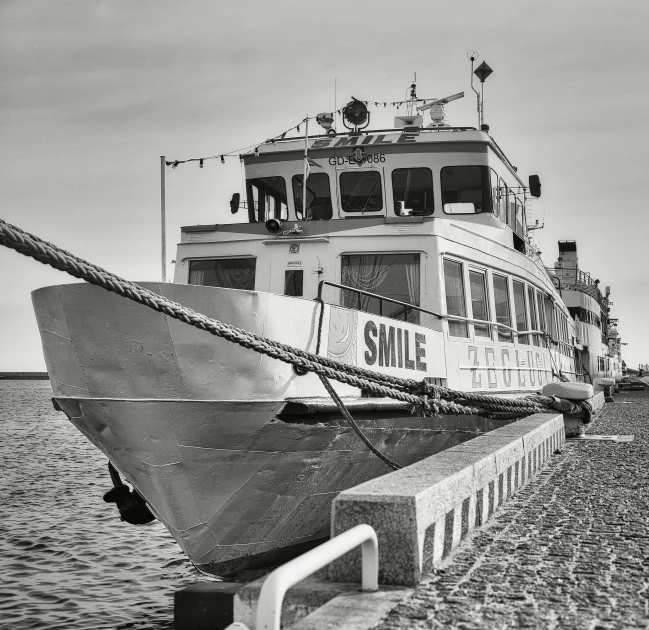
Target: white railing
point(269, 606)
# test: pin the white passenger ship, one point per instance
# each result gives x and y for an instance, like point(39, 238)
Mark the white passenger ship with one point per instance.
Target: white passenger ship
point(598, 344)
point(414, 237)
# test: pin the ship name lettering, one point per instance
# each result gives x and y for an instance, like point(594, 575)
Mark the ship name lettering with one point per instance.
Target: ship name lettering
point(507, 373)
point(390, 346)
point(476, 379)
point(490, 365)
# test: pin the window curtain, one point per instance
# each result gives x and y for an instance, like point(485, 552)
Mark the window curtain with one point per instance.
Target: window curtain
point(229, 273)
point(395, 276)
point(234, 278)
point(196, 275)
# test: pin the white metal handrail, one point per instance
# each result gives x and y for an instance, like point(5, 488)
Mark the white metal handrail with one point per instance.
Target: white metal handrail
point(269, 606)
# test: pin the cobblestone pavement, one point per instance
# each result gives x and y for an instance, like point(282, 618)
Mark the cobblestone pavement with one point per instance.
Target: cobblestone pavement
point(571, 550)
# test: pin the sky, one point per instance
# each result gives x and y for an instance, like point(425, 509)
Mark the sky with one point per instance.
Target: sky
point(93, 92)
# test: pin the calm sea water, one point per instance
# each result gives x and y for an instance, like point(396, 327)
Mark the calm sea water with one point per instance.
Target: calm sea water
point(66, 560)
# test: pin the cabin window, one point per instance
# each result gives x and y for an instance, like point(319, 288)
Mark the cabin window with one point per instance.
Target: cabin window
point(519, 309)
point(266, 199)
point(229, 273)
point(503, 311)
point(412, 191)
point(541, 312)
point(318, 197)
point(479, 305)
point(549, 307)
point(294, 282)
point(534, 322)
point(394, 276)
point(455, 300)
point(465, 189)
point(361, 191)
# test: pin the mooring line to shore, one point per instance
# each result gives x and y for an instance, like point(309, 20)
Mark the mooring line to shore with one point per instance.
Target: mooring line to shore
point(426, 399)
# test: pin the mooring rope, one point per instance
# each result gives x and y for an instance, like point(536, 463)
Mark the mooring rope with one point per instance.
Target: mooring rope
point(424, 398)
point(345, 412)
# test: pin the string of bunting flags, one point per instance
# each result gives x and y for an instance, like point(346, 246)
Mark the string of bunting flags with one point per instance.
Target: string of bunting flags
point(281, 136)
point(237, 152)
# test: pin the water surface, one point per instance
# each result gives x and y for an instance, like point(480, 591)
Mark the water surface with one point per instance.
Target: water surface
point(66, 560)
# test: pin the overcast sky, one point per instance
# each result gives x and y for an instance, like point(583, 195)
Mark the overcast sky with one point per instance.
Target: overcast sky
point(92, 92)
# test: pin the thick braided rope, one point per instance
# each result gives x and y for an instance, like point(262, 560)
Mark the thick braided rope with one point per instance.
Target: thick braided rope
point(44, 252)
point(384, 385)
point(22, 239)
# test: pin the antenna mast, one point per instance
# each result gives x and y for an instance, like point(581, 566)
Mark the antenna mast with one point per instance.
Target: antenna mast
point(482, 72)
point(473, 55)
point(410, 106)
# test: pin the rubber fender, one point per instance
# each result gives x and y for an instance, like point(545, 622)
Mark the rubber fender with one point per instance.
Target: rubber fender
point(571, 391)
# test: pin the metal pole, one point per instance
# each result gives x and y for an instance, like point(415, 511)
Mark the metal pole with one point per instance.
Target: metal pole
point(163, 227)
point(335, 103)
point(306, 167)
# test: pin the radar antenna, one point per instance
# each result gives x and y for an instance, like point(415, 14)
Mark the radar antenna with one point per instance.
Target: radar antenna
point(436, 107)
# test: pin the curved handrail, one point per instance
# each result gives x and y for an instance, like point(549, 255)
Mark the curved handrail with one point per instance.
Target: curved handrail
point(269, 606)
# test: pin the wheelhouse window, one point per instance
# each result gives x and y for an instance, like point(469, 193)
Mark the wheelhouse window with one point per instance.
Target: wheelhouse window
point(519, 309)
point(318, 197)
point(503, 311)
point(395, 276)
point(412, 191)
point(520, 218)
point(266, 199)
point(229, 273)
point(455, 298)
point(498, 196)
point(465, 189)
point(361, 191)
point(479, 304)
point(511, 210)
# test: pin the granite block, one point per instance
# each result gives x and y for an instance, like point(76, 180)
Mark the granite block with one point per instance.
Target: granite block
point(422, 512)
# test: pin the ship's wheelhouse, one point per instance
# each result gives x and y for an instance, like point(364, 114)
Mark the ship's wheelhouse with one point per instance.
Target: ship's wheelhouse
point(460, 175)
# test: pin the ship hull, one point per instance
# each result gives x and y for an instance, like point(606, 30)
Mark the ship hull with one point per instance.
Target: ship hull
point(195, 423)
point(237, 487)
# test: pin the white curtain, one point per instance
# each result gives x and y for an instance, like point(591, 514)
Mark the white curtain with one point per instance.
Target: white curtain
point(395, 276)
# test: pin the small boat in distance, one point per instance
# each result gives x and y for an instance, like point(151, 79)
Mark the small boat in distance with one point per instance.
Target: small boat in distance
point(403, 250)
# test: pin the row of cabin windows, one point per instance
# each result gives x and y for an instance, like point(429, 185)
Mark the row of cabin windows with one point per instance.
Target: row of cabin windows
point(464, 189)
point(398, 277)
point(526, 300)
point(393, 276)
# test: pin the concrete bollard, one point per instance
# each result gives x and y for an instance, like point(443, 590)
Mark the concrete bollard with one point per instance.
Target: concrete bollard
point(205, 606)
point(606, 385)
